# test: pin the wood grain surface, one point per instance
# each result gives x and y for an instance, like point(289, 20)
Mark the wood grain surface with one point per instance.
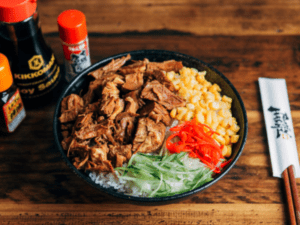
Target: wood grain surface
point(244, 40)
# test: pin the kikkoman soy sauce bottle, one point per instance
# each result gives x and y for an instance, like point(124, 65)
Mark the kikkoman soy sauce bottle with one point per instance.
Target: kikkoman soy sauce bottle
point(33, 64)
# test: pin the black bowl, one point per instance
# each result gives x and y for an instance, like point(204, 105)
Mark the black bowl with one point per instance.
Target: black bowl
point(238, 110)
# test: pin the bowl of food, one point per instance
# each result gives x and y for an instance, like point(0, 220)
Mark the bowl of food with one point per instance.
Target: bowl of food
point(150, 126)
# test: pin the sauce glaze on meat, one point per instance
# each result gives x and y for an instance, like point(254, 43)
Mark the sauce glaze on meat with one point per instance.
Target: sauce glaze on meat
point(125, 110)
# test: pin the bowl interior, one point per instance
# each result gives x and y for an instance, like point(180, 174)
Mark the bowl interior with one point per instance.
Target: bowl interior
point(238, 110)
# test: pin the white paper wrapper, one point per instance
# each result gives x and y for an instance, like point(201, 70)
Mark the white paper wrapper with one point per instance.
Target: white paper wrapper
point(279, 125)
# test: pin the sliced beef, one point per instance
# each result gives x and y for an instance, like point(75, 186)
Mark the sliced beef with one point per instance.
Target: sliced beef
point(170, 65)
point(149, 136)
point(133, 81)
point(161, 77)
point(156, 112)
point(70, 106)
point(155, 91)
point(137, 66)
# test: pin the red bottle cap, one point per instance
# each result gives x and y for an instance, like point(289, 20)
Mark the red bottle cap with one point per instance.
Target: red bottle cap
point(13, 11)
point(72, 26)
point(6, 78)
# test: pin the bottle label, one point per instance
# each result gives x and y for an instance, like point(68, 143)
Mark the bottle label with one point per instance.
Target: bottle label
point(41, 79)
point(14, 112)
point(77, 58)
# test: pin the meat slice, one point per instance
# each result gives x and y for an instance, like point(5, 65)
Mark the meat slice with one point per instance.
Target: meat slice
point(170, 65)
point(113, 66)
point(133, 81)
point(149, 136)
point(157, 92)
point(125, 125)
point(156, 112)
point(132, 101)
point(90, 108)
point(95, 88)
point(76, 145)
point(98, 153)
point(112, 107)
point(161, 77)
point(110, 90)
point(70, 106)
point(137, 66)
point(104, 166)
point(120, 154)
point(102, 132)
point(83, 120)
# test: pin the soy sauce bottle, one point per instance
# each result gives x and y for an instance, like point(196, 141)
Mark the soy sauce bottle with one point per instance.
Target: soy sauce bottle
point(33, 64)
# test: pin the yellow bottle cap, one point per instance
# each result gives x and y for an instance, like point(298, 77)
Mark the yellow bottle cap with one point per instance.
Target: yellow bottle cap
point(6, 78)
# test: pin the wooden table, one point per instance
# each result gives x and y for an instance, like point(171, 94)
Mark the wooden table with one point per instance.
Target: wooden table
point(244, 40)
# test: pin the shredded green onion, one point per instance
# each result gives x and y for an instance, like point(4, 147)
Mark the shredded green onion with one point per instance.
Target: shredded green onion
point(161, 176)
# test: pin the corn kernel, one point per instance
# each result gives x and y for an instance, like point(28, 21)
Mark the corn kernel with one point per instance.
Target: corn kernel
point(226, 99)
point(214, 105)
point(200, 78)
point(173, 113)
point(228, 152)
point(224, 151)
point(195, 99)
point(181, 111)
point(188, 116)
point(217, 96)
point(234, 138)
point(171, 75)
point(175, 81)
point(234, 127)
point(214, 88)
point(214, 125)
point(220, 139)
point(221, 130)
point(230, 132)
point(190, 106)
point(200, 118)
point(227, 139)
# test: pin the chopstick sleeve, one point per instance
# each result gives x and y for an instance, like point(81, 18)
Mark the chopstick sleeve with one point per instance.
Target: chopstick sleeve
point(279, 125)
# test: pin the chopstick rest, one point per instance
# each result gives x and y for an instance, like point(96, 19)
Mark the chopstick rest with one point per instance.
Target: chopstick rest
point(281, 139)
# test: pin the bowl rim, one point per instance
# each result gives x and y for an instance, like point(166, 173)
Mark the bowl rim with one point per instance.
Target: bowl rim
point(115, 193)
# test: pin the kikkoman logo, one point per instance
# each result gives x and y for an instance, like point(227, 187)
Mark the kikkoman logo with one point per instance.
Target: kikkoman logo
point(36, 62)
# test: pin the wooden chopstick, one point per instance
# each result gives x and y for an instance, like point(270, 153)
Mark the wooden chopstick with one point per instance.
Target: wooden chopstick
point(291, 195)
point(294, 193)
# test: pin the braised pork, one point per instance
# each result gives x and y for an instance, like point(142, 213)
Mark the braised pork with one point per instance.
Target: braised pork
point(156, 112)
point(149, 136)
point(170, 65)
point(156, 91)
point(125, 110)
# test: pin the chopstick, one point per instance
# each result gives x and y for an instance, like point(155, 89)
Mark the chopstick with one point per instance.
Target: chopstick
point(292, 195)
